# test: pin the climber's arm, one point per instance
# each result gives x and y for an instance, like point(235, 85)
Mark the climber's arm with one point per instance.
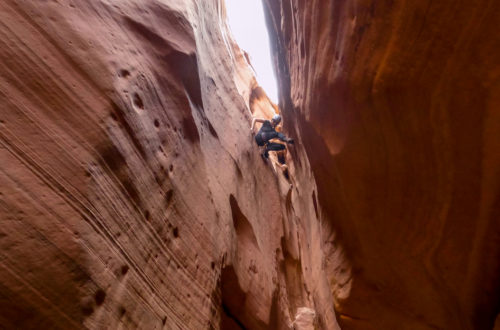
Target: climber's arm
point(283, 138)
point(258, 120)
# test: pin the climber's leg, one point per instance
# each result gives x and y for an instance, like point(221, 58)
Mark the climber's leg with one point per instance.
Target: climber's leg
point(271, 146)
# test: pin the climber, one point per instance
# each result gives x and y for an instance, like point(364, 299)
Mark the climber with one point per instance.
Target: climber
point(268, 132)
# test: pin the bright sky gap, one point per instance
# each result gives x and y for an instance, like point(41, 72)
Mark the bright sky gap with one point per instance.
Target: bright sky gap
point(248, 25)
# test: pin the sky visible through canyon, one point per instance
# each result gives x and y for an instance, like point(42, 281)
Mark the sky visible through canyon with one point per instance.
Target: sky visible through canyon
point(248, 25)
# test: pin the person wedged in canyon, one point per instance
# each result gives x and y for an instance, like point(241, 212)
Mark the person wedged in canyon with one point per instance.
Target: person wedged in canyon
point(268, 132)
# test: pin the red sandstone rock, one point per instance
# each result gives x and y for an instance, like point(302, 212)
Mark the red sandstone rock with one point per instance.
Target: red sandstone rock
point(396, 105)
point(132, 193)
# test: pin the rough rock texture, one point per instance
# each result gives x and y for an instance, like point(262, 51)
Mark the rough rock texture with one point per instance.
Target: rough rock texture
point(132, 194)
point(397, 105)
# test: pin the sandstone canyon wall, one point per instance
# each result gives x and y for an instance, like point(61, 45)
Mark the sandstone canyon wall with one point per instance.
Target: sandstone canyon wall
point(397, 104)
point(132, 193)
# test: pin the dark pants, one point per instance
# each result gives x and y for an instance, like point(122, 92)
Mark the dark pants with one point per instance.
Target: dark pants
point(272, 146)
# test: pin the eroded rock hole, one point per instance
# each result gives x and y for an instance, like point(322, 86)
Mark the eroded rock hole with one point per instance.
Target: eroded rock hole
point(138, 101)
point(123, 73)
point(168, 196)
point(156, 123)
point(99, 297)
point(175, 232)
point(124, 269)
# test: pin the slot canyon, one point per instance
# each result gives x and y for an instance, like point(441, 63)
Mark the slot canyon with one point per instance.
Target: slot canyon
point(133, 195)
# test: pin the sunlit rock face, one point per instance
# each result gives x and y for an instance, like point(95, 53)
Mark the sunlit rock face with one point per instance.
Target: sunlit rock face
point(397, 106)
point(132, 193)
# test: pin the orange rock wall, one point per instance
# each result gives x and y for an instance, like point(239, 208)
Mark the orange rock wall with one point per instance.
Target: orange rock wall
point(397, 107)
point(133, 196)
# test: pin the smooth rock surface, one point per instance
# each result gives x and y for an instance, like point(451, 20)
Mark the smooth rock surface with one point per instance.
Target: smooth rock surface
point(397, 105)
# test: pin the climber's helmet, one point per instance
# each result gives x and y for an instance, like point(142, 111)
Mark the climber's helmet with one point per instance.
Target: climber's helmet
point(276, 119)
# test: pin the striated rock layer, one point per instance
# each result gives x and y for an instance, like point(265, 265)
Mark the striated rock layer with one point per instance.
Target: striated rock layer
point(133, 196)
point(397, 105)
point(132, 193)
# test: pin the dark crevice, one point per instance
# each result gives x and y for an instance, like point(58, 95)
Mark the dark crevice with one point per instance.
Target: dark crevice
point(315, 204)
point(190, 130)
point(228, 321)
point(212, 130)
point(281, 157)
point(286, 174)
point(288, 201)
point(233, 300)
point(238, 170)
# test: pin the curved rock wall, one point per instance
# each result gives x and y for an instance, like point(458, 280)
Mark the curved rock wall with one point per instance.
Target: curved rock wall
point(132, 193)
point(397, 107)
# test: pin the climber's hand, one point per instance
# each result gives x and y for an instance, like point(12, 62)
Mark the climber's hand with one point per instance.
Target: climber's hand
point(290, 141)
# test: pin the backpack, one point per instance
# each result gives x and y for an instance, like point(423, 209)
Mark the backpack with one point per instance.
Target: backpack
point(259, 140)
